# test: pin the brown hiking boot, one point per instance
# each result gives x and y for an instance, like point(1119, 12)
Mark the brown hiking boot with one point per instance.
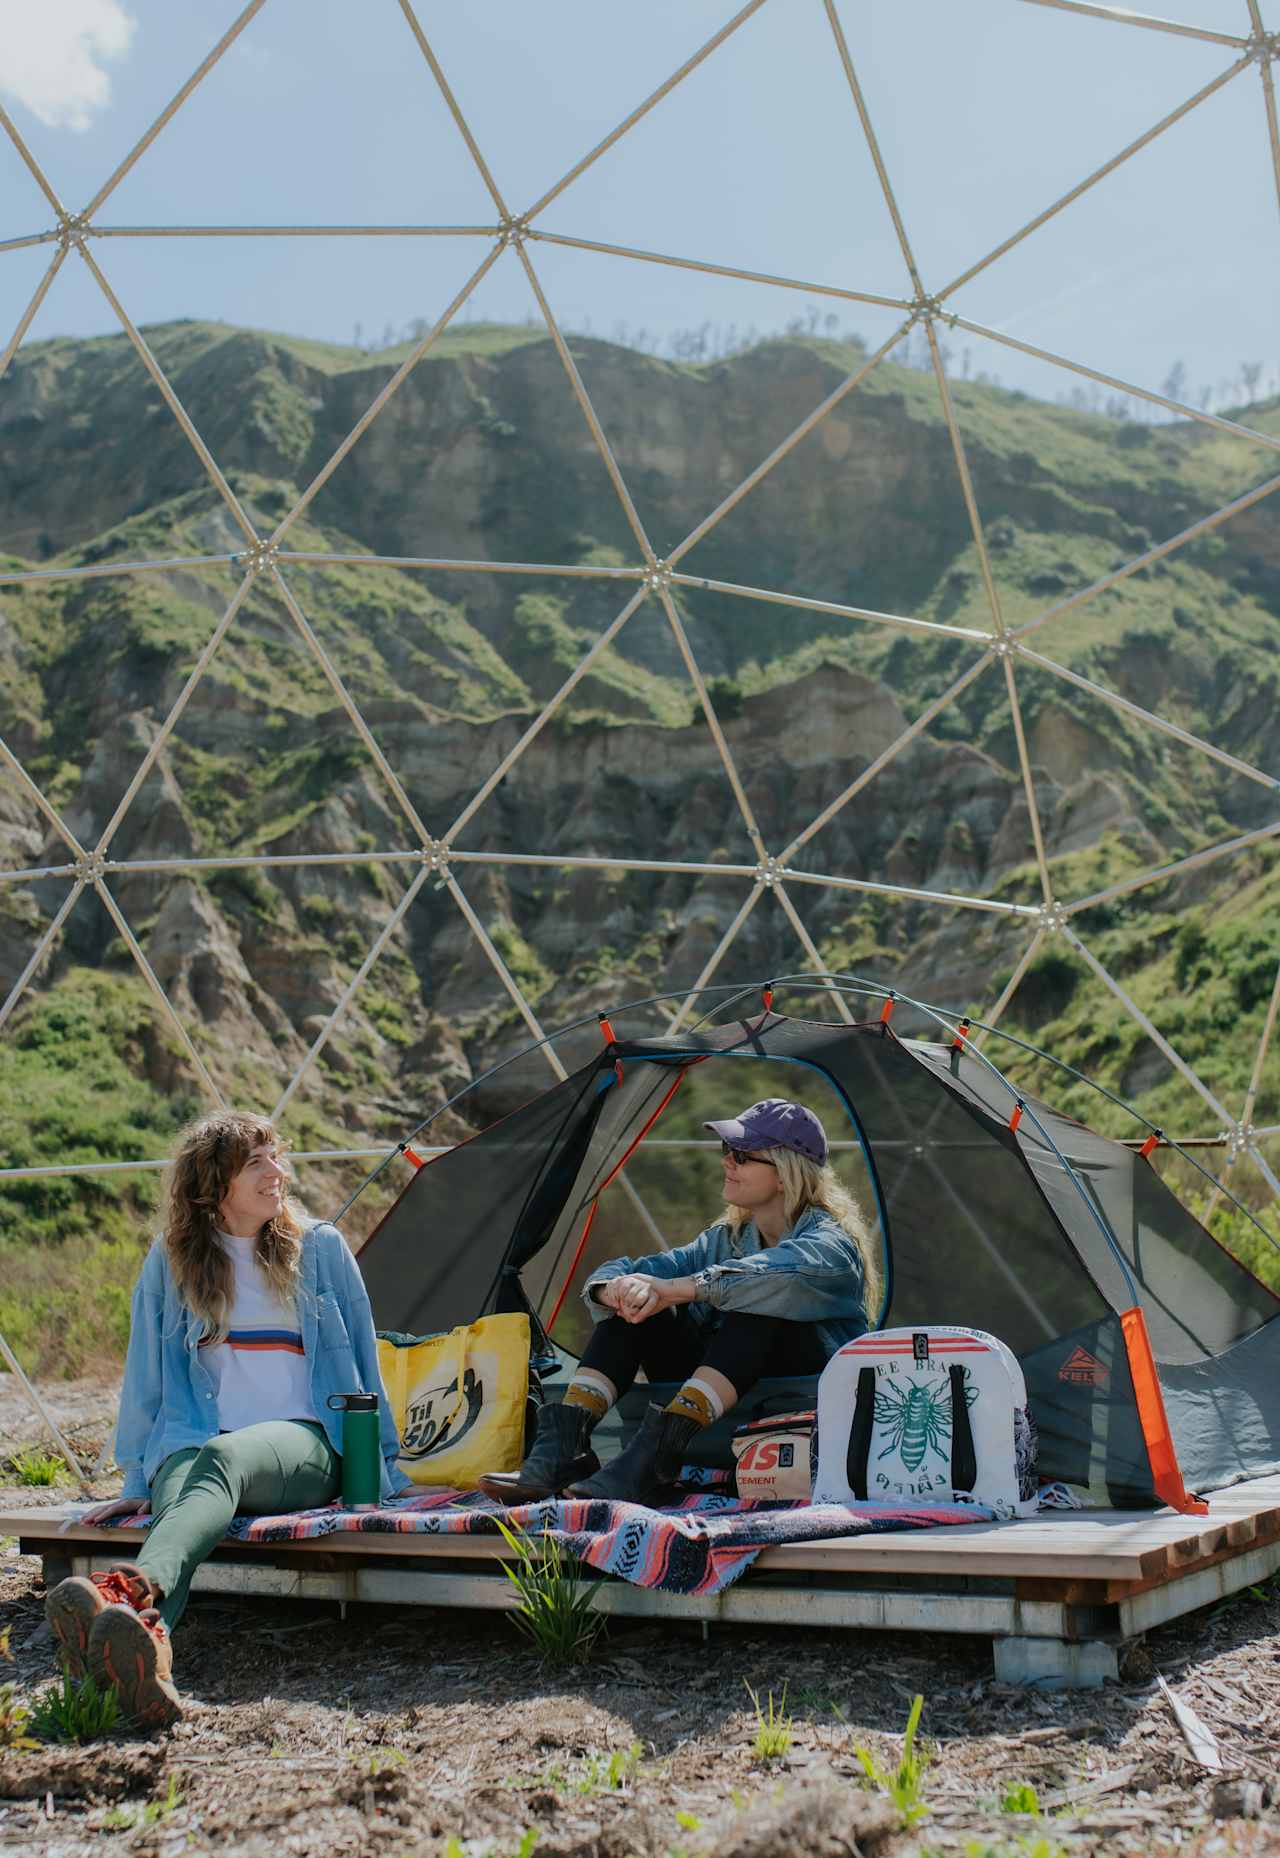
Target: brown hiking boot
point(133, 1652)
point(561, 1451)
point(72, 1606)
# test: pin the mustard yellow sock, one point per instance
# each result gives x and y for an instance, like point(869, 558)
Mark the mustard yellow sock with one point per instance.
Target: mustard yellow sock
point(696, 1401)
point(591, 1391)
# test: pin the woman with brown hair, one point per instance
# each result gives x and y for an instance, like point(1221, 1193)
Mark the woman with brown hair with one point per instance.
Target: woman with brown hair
point(244, 1321)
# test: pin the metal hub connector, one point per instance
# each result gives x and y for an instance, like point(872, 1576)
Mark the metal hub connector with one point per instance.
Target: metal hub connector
point(436, 858)
point(513, 231)
point(73, 229)
point(1002, 646)
point(658, 578)
point(260, 558)
point(91, 867)
point(927, 309)
point(1052, 916)
point(1264, 47)
point(1237, 1137)
point(769, 873)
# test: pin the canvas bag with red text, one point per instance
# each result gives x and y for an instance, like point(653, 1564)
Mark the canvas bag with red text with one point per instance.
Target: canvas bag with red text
point(773, 1458)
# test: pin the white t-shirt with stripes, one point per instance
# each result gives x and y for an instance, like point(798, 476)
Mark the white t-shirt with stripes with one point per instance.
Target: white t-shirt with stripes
point(259, 1371)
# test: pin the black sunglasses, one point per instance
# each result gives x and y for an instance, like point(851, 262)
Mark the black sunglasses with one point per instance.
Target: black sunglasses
point(740, 1155)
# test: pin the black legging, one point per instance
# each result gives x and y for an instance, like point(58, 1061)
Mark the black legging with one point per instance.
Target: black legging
point(671, 1346)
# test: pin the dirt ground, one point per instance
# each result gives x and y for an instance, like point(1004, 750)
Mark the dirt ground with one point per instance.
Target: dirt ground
point(392, 1735)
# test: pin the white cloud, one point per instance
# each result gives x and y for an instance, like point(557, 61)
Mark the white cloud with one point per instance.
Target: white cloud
point(54, 52)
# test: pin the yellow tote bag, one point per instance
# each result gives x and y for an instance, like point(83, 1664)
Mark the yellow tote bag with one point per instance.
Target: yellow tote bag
point(459, 1400)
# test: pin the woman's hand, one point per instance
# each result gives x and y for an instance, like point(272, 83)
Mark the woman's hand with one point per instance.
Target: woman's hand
point(624, 1295)
point(637, 1298)
point(118, 1506)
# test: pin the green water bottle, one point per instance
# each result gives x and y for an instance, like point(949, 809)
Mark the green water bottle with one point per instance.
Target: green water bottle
point(361, 1453)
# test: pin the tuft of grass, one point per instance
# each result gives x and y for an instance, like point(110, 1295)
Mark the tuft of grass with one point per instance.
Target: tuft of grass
point(1024, 1846)
point(554, 1609)
point(124, 1818)
point(34, 1467)
point(614, 1773)
point(773, 1726)
point(624, 1765)
point(383, 1761)
point(15, 1716)
point(75, 1710)
point(1020, 1797)
point(454, 1848)
point(903, 1784)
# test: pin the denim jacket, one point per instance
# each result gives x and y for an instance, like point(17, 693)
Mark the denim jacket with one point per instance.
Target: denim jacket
point(168, 1402)
point(813, 1274)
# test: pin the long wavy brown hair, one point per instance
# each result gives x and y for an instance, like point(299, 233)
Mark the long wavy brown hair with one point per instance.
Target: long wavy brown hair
point(209, 1155)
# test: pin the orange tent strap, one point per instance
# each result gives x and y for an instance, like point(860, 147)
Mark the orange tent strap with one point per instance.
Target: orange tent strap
point(608, 1181)
point(578, 1250)
point(412, 1155)
point(1152, 1141)
point(886, 1010)
point(606, 1030)
point(767, 997)
point(962, 1033)
point(1166, 1474)
point(1016, 1118)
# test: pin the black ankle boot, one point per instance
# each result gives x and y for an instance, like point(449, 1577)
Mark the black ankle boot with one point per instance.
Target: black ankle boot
point(561, 1451)
point(648, 1465)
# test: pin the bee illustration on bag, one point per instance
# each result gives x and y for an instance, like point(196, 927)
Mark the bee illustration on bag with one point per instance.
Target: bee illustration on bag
point(919, 1420)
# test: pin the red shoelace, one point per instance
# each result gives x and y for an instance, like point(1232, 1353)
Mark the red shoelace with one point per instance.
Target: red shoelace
point(120, 1589)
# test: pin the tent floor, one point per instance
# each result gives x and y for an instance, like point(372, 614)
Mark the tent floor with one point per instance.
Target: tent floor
point(1058, 1594)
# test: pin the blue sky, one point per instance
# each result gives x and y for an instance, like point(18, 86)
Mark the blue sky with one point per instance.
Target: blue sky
point(324, 112)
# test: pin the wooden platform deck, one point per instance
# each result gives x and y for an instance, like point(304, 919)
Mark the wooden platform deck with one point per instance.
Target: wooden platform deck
point(1058, 1594)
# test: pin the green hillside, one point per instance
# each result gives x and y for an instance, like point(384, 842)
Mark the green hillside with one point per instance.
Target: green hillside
point(484, 455)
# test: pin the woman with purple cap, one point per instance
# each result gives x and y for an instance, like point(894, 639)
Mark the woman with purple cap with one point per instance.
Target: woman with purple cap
point(774, 1287)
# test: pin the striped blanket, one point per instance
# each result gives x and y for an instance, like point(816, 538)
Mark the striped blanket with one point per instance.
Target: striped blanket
point(699, 1546)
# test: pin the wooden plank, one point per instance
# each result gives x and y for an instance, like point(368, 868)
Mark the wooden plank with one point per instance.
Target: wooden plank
point(1127, 1547)
point(983, 1550)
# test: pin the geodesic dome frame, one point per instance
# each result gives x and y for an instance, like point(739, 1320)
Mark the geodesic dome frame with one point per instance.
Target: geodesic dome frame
point(436, 857)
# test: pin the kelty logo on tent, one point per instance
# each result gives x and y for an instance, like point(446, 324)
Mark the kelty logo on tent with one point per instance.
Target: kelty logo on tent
point(436, 1416)
point(1082, 1369)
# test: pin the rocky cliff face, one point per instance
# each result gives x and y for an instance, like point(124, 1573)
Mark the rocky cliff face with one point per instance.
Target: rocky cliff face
point(484, 455)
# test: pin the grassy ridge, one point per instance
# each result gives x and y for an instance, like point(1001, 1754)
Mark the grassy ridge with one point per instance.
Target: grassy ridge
point(486, 457)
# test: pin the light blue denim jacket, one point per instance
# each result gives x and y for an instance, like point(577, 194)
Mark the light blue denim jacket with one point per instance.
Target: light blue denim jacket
point(168, 1403)
point(813, 1275)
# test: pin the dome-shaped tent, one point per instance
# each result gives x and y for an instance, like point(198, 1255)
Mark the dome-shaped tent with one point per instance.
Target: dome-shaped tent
point(1148, 1350)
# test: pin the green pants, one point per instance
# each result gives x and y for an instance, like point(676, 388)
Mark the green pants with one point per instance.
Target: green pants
point(265, 1470)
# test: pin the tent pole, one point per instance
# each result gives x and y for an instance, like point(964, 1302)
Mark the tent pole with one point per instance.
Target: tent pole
point(40, 1407)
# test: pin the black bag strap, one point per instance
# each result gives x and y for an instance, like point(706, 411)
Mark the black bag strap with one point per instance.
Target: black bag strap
point(964, 1459)
point(864, 1418)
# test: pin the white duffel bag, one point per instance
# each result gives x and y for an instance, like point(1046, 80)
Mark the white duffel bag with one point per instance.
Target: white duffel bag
point(926, 1415)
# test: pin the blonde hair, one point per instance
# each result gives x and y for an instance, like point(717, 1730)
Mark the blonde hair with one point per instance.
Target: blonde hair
point(808, 1185)
point(209, 1155)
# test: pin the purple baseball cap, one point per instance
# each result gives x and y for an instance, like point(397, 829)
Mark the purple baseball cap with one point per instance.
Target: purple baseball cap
point(775, 1123)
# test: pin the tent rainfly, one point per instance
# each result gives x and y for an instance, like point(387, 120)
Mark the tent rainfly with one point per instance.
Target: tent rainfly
point(1149, 1351)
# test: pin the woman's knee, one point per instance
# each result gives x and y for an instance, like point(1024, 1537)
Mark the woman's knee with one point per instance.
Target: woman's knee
point(750, 1326)
point(608, 1337)
point(217, 1458)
